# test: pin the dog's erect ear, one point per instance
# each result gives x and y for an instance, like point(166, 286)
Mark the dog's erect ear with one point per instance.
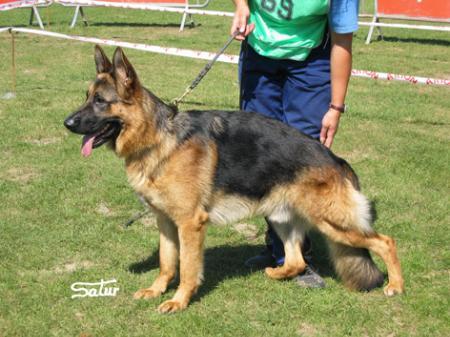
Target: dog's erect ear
point(102, 62)
point(126, 79)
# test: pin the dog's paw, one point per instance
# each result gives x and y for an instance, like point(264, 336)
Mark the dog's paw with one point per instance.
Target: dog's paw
point(274, 273)
point(146, 294)
point(283, 272)
point(392, 290)
point(170, 306)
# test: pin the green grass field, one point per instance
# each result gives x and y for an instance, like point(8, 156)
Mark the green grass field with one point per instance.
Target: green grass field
point(61, 215)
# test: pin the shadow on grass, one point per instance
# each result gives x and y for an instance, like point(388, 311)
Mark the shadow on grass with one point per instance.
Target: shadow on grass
point(141, 267)
point(140, 25)
point(200, 105)
point(436, 42)
point(225, 262)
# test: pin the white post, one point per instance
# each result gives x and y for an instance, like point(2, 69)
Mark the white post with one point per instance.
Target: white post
point(185, 14)
point(75, 16)
point(38, 18)
point(375, 19)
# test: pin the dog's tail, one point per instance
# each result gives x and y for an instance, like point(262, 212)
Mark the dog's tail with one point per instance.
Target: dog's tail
point(355, 267)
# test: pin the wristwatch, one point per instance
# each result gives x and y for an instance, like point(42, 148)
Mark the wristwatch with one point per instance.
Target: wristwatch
point(341, 108)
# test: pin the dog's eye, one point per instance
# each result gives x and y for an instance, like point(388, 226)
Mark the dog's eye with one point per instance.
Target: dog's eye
point(98, 99)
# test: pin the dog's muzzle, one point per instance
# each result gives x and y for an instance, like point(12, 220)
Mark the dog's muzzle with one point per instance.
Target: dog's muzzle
point(72, 123)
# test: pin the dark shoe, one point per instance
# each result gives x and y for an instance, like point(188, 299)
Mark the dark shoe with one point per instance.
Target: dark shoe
point(263, 260)
point(310, 279)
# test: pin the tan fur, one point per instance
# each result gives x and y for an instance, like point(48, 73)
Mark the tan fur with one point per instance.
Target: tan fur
point(178, 187)
point(327, 197)
point(177, 181)
point(169, 252)
point(332, 208)
point(330, 201)
point(226, 208)
point(136, 136)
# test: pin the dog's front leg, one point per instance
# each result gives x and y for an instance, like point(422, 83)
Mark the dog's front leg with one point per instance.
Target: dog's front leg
point(191, 233)
point(168, 258)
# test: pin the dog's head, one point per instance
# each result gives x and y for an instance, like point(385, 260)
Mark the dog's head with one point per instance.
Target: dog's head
point(105, 115)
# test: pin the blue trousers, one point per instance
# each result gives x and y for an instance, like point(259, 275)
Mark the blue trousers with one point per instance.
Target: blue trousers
point(297, 93)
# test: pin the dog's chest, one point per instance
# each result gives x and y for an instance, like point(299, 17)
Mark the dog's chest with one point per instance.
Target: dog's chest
point(143, 186)
point(138, 180)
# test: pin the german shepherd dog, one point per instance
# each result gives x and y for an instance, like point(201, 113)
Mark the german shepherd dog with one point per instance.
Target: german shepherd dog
point(198, 166)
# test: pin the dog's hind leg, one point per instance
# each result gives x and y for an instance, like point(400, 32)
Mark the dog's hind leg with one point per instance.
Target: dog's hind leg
point(168, 258)
point(382, 245)
point(291, 230)
point(191, 233)
point(333, 204)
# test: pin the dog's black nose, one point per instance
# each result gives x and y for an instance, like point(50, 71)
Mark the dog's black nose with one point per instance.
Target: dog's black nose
point(71, 122)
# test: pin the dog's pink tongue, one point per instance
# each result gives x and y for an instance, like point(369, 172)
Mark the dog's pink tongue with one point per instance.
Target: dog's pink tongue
point(86, 148)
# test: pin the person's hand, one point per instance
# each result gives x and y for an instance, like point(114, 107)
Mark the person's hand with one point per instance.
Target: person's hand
point(330, 123)
point(240, 20)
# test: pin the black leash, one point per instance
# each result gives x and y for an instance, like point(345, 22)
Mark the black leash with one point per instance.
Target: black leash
point(140, 214)
point(135, 218)
point(176, 101)
point(205, 70)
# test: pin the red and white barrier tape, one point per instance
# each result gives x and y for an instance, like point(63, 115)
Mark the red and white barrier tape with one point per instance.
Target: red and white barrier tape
point(139, 46)
point(223, 58)
point(396, 77)
point(17, 4)
point(399, 25)
point(23, 3)
point(161, 8)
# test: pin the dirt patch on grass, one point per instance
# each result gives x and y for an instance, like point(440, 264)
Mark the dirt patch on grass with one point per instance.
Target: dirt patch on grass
point(70, 267)
point(30, 71)
point(307, 330)
point(43, 141)
point(104, 210)
point(20, 174)
point(149, 221)
point(248, 230)
point(85, 334)
point(66, 268)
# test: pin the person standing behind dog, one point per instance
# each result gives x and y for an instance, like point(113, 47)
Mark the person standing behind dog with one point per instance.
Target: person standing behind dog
point(294, 66)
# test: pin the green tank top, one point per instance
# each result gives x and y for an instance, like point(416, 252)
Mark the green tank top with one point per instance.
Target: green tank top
point(287, 29)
